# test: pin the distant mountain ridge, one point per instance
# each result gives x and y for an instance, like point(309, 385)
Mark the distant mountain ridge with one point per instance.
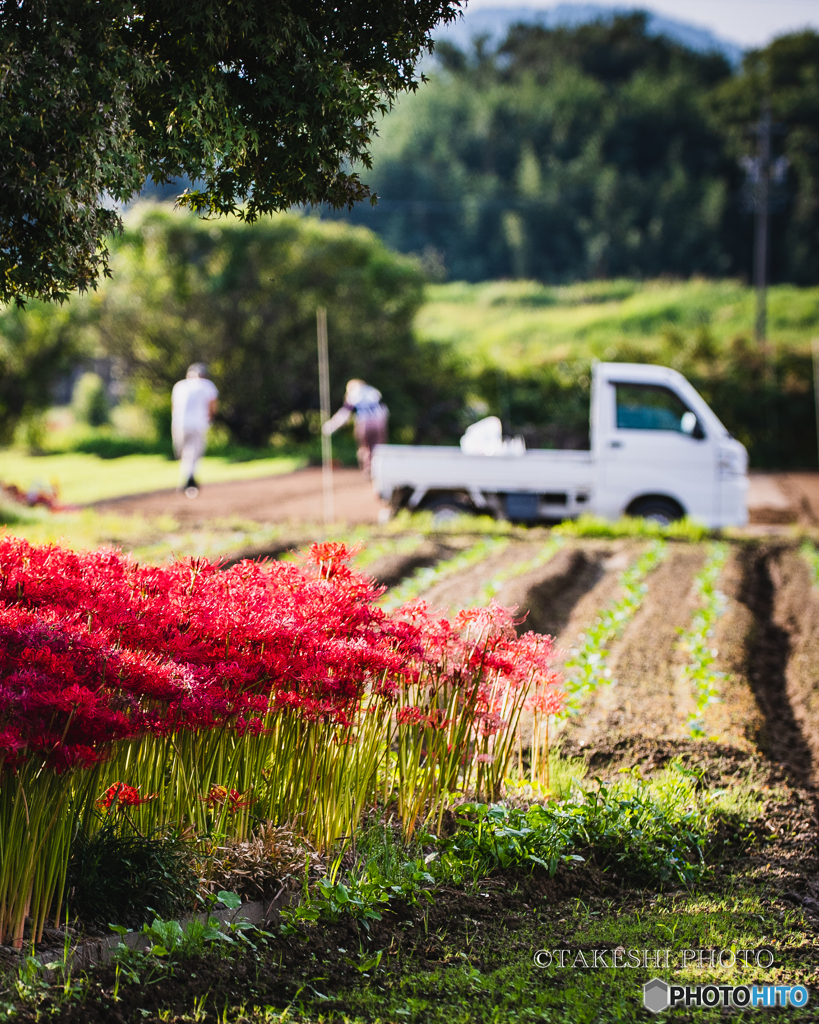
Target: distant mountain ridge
point(495, 22)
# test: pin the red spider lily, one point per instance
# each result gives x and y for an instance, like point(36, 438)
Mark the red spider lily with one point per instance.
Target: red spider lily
point(158, 666)
point(232, 798)
point(123, 795)
point(546, 703)
point(331, 558)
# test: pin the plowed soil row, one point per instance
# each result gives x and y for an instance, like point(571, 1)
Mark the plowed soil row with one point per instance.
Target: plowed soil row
point(787, 680)
point(647, 695)
point(557, 598)
point(391, 569)
point(767, 645)
point(767, 640)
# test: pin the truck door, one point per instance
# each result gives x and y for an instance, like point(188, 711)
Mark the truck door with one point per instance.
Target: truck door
point(654, 443)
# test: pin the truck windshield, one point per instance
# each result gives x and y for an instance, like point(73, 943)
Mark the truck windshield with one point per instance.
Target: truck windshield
point(649, 407)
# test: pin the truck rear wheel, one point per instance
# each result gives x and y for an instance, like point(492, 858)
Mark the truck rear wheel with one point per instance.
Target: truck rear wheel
point(657, 510)
point(445, 509)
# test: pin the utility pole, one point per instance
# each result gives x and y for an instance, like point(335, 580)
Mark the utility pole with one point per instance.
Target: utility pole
point(761, 185)
point(324, 402)
point(814, 347)
point(761, 210)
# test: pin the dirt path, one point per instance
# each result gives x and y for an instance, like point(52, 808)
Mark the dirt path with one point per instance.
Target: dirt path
point(290, 498)
point(781, 498)
point(773, 499)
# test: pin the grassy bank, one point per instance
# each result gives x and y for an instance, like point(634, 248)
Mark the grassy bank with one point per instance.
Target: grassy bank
point(518, 325)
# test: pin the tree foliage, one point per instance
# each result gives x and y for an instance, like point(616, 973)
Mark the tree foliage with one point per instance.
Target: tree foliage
point(243, 298)
point(597, 151)
point(265, 103)
point(36, 349)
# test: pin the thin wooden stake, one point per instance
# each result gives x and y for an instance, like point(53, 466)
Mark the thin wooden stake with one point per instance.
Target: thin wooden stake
point(324, 401)
point(814, 345)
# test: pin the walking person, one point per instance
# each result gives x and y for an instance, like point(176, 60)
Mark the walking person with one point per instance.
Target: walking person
point(193, 405)
point(363, 402)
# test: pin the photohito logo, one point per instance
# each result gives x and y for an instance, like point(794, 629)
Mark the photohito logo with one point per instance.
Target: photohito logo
point(658, 995)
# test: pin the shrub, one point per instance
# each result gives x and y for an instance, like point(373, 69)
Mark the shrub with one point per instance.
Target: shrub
point(117, 875)
point(89, 400)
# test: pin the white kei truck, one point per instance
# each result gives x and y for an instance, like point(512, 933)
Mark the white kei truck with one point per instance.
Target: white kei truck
point(657, 451)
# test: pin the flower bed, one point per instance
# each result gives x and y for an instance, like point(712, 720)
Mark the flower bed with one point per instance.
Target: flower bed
point(204, 699)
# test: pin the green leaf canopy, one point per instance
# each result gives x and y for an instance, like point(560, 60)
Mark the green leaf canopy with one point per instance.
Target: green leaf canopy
point(266, 104)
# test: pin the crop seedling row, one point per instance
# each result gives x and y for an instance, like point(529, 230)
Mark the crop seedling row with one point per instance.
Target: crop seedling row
point(586, 668)
point(811, 556)
point(493, 587)
point(425, 579)
point(705, 681)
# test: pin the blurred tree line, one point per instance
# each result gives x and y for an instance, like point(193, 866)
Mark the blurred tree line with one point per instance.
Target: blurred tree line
point(243, 299)
point(598, 151)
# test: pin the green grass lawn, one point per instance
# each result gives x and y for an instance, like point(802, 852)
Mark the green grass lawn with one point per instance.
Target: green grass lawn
point(81, 478)
point(519, 324)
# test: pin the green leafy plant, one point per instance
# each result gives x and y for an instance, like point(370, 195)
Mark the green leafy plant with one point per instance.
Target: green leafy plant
point(163, 942)
point(385, 867)
point(811, 556)
point(649, 833)
point(632, 526)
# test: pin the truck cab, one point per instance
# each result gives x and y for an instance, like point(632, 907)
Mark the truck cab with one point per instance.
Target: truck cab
point(657, 450)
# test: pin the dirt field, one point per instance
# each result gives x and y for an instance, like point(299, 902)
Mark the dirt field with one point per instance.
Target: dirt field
point(290, 498)
point(762, 731)
point(773, 499)
point(765, 643)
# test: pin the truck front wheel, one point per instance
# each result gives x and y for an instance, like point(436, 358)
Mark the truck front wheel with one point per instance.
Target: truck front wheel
point(658, 510)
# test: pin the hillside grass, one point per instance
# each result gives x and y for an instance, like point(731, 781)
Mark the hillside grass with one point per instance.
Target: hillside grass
point(519, 325)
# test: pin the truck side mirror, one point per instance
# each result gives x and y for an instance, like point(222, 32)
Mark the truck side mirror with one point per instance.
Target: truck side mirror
point(689, 424)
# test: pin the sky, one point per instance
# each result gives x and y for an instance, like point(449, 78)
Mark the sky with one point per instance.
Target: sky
point(747, 22)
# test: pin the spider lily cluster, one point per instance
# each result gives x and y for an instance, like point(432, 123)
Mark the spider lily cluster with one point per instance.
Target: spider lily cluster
point(195, 697)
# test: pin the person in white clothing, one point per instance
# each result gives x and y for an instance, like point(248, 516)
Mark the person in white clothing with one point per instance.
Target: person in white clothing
point(193, 406)
point(370, 424)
